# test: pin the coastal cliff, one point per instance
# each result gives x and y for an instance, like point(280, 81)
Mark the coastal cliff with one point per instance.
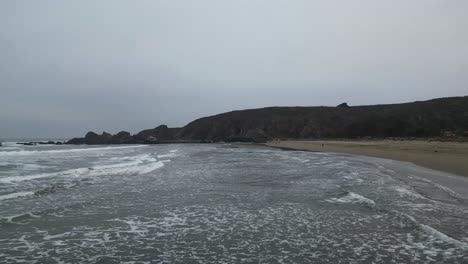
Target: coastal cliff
point(447, 117)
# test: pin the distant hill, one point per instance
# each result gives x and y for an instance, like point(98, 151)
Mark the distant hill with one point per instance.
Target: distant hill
point(418, 119)
point(433, 118)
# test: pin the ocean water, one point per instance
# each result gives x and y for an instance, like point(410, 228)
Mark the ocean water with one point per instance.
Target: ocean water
point(220, 203)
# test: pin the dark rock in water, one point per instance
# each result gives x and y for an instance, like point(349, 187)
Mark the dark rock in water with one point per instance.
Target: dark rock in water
point(50, 142)
point(343, 105)
point(75, 141)
point(26, 143)
point(123, 134)
point(106, 135)
point(159, 134)
point(58, 143)
point(92, 138)
point(33, 143)
point(123, 137)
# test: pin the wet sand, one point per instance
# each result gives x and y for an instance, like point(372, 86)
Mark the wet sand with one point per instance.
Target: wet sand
point(450, 157)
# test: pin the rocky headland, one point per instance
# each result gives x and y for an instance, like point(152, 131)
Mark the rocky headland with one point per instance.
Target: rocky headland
point(443, 118)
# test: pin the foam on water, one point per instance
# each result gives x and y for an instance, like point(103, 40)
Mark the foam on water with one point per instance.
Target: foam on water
point(352, 198)
point(230, 234)
point(354, 177)
point(170, 155)
point(432, 234)
point(9, 148)
point(56, 151)
point(224, 204)
point(445, 189)
point(441, 236)
point(15, 195)
point(23, 166)
point(404, 191)
point(18, 218)
point(137, 165)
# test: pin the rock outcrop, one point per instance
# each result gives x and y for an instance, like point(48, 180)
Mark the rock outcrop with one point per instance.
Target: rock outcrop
point(158, 135)
point(75, 141)
point(123, 137)
point(92, 138)
point(34, 143)
point(343, 105)
point(161, 133)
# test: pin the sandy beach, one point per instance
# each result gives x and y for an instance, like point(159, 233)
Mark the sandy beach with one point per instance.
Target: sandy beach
point(450, 157)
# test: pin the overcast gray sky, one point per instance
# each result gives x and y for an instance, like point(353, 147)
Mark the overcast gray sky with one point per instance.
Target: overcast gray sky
point(67, 67)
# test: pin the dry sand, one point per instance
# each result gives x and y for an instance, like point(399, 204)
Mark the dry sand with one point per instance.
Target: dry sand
point(451, 157)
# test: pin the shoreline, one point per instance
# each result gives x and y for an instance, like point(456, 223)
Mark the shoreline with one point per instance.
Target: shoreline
point(448, 157)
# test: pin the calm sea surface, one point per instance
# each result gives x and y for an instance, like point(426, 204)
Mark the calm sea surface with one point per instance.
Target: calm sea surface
point(220, 203)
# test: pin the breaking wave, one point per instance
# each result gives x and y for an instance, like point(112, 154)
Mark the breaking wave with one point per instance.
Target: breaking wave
point(431, 233)
point(40, 152)
point(15, 195)
point(140, 164)
point(353, 198)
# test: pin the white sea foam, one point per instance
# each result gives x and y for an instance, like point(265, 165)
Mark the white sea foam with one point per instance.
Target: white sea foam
point(18, 217)
point(353, 176)
point(140, 164)
point(151, 167)
point(130, 161)
point(33, 166)
point(407, 216)
point(9, 148)
point(41, 152)
point(406, 192)
point(15, 195)
point(24, 166)
point(434, 233)
point(352, 198)
point(448, 191)
point(135, 226)
point(62, 235)
point(170, 155)
point(300, 159)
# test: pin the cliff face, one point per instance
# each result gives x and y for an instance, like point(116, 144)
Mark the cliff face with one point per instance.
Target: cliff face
point(418, 119)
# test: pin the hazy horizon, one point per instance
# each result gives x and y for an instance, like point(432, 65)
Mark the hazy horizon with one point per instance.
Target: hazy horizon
point(72, 67)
